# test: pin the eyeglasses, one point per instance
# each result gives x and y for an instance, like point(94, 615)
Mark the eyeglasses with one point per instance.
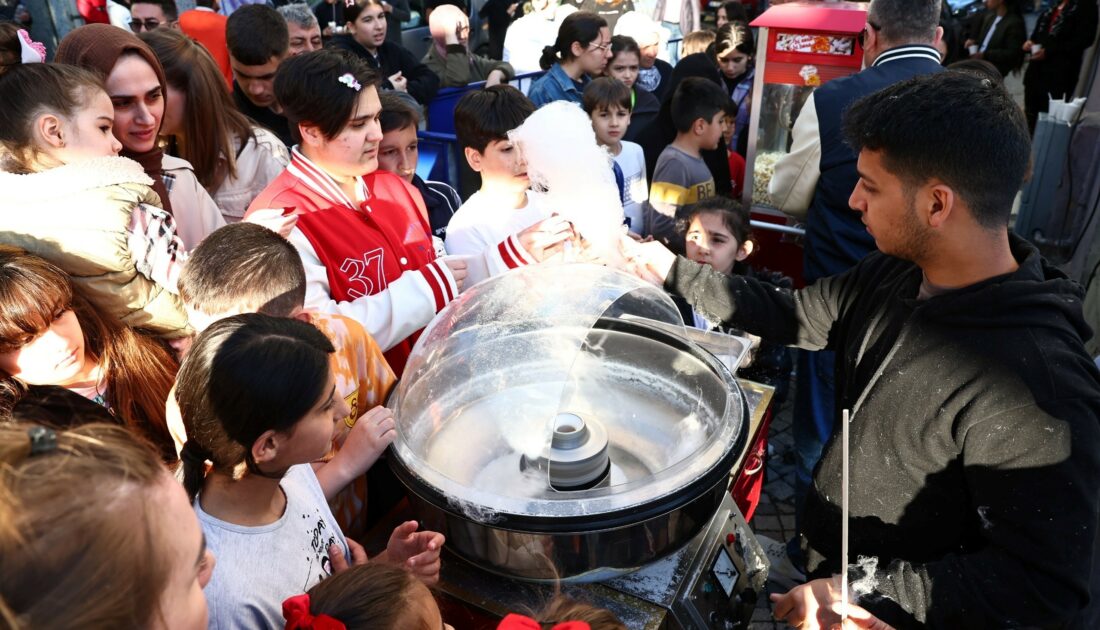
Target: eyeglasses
point(863, 34)
point(601, 47)
point(150, 24)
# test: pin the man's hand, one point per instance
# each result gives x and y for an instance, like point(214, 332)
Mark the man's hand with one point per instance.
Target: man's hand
point(810, 605)
point(399, 82)
point(387, 7)
point(417, 551)
point(512, 9)
point(458, 269)
point(340, 563)
point(546, 238)
point(496, 77)
point(858, 619)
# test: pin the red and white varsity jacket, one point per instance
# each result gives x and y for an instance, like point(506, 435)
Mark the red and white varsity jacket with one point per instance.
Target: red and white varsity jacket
point(370, 259)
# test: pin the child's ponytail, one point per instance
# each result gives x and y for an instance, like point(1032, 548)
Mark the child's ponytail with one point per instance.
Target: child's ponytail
point(246, 375)
point(581, 27)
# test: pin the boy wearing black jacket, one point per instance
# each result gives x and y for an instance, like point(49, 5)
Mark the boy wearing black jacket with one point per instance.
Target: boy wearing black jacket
point(975, 442)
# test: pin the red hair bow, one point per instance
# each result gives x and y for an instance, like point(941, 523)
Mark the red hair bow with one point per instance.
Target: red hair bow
point(298, 617)
point(519, 622)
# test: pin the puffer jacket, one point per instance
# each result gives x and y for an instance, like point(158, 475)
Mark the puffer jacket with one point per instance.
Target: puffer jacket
point(77, 216)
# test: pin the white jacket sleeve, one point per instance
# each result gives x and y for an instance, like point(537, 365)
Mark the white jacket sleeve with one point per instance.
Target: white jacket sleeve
point(391, 315)
point(796, 174)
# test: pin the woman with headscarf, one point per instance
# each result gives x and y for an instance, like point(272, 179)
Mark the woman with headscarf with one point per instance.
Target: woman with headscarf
point(135, 82)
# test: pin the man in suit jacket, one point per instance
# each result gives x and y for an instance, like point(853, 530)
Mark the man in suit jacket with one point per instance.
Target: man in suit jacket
point(1001, 37)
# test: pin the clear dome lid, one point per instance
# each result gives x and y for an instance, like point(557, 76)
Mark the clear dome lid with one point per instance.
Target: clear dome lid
point(558, 391)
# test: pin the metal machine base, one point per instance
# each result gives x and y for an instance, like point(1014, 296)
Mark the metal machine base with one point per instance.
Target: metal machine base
point(713, 581)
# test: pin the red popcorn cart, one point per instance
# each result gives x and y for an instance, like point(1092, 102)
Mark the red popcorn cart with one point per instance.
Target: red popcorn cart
point(800, 46)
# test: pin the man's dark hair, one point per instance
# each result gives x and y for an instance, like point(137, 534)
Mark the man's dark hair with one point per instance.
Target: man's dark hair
point(905, 21)
point(312, 91)
point(171, 13)
point(697, 98)
point(979, 68)
point(604, 92)
point(735, 12)
point(485, 116)
point(396, 114)
point(244, 265)
point(952, 126)
point(255, 33)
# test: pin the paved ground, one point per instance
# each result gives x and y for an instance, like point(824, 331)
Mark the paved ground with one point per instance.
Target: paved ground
point(774, 517)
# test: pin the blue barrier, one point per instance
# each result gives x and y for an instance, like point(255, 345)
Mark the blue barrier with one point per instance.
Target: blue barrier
point(438, 157)
point(441, 110)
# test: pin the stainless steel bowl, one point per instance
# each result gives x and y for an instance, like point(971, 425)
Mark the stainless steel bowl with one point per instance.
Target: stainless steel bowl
point(570, 434)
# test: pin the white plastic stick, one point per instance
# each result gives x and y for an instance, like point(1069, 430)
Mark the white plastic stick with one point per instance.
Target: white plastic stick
point(844, 519)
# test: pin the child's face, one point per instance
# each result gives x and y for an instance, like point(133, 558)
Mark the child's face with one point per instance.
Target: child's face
point(624, 67)
point(369, 29)
point(311, 437)
point(610, 124)
point(709, 242)
point(89, 133)
point(182, 604)
point(711, 132)
point(727, 133)
point(56, 357)
point(501, 165)
point(354, 151)
point(733, 64)
point(138, 98)
point(399, 152)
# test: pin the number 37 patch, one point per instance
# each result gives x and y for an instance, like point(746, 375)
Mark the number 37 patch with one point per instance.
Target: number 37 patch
point(365, 275)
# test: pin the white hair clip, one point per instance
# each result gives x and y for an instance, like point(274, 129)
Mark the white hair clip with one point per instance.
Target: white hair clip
point(349, 80)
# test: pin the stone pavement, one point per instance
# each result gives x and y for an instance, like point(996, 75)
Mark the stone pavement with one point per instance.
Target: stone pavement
point(774, 517)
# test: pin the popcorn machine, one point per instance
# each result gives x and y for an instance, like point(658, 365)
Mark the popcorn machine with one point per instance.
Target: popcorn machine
point(800, 46)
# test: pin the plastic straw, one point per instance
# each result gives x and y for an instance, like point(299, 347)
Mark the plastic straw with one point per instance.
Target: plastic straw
point(844, 520)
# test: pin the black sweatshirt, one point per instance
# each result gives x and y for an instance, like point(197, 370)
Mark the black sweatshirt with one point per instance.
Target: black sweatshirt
point(975, 443)
point(422, 83)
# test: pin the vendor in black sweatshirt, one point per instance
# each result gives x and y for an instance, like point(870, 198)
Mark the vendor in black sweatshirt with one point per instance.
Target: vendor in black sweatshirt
point(401, 70)
point(975, 410)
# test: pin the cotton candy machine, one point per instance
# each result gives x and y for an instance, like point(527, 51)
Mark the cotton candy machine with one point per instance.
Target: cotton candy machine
point(557, 423)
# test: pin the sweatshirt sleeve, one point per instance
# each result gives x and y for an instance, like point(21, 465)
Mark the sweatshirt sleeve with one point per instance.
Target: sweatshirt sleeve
point(422, 82)
point(406, 305)
point(456, 67)
point(802, 318)
point(1032, 472)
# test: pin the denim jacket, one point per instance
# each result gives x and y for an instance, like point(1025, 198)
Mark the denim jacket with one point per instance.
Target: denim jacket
point(555, 85)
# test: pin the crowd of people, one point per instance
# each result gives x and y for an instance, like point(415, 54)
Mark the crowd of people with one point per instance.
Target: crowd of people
point(217, 255)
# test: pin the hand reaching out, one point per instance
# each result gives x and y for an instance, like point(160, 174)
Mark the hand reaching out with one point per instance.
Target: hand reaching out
point(809, 605)
point(372, 433)
point(546, 238)
point(459, 270)
point(417, 551)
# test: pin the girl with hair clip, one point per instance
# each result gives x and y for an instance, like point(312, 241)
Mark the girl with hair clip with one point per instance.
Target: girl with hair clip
point(135, 82)
point(373, 595)
point(580, 52)
point(367, 39)
point(257, 397)
point(95, 533)
point(234, 160)
point(51, 335)
point(717, 233)
point(733, 52)
point(69, 198)
point(363, 233)
point(16, 47)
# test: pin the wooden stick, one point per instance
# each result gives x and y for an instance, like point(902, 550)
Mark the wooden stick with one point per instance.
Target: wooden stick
point(844, 520)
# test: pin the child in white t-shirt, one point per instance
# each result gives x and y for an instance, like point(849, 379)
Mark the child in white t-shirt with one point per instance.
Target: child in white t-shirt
point(503, 221)
point(259, 403)
point(608, 103)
